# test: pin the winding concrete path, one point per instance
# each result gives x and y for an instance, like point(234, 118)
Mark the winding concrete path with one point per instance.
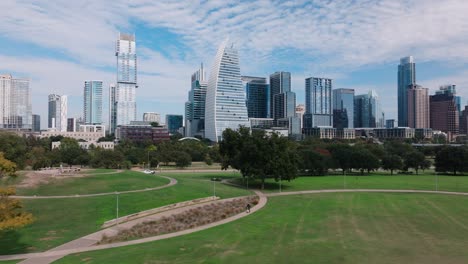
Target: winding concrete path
point(88, 242)
point(363, 190)
point(172, 182)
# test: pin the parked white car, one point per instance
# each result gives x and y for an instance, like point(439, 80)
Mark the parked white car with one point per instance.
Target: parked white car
point(148, 171)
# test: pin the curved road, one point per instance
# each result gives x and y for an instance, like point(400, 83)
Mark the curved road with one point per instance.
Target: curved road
point(61, 251)
point(172, 182)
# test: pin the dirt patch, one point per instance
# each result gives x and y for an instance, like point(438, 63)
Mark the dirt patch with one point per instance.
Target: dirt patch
point(48, 238)
point(192, 218)
point(33, 179)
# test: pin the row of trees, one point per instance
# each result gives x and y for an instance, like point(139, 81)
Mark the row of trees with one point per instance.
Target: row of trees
point(260, 156)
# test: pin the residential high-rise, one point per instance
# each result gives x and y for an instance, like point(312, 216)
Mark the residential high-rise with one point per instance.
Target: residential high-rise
point(258, 96)
point(123, 94)
point(418, 106)
point(225, 97)
point(406, 76)
point(282, 99)
point(58, 112)
point(72, 124)
point(444, 113)
point(92, 103)
point(174, 122)
point(195, 106)
point(343, 101)
point(318, 94)
point(152, 117)
point(36, 123)
point(300, 110)
point(15, 103)
point(367, 111)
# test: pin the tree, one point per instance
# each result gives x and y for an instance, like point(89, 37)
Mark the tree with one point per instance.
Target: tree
point(11, 215)
point(154, 124)
point(313, 162)
point(392, 162)
point(452, 159)
point(362, 159)
point(70, 151)
point(341, 155)
point(415, 160)
point(181, 159)
point(7, 168)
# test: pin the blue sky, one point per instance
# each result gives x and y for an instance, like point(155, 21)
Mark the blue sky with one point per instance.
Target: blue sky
point(60, 44)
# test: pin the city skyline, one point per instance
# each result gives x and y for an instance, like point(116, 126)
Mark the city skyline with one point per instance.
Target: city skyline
point(47, 48)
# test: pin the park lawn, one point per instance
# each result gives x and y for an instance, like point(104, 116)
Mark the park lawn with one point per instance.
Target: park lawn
point(98, 183)
point(319, 228)
point(10, 261)
point(366, 181)
point(58, 221)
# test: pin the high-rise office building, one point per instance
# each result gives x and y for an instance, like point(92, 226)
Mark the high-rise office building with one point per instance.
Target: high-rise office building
point(258, 96)
point(15, 103)
point(36, 123)
point(464, 121)
point(225, 97)
point(58, 107)
point(343, 102)
point(152, 117)
point(92, 103)
point(195, 106)
point(174, 122)
point(123, 94)
point(318, 94)
point(367, 111)
point(418, 106)
point(444, 113)
point(406, 77)
point(72, 124)
point(282, 99)
point(300, 110)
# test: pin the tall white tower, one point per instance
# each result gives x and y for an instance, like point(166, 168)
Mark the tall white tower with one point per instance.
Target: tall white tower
point(225, 97)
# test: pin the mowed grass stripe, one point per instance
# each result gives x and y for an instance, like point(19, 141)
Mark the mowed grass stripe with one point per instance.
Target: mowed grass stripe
point(336, 228)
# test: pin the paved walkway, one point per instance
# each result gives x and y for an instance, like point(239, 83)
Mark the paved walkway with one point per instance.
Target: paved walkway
point(364, 190)
point(172, 182)
point(87, 243)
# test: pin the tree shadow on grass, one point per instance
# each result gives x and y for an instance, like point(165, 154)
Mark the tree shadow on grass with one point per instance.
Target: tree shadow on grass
point(10, 241)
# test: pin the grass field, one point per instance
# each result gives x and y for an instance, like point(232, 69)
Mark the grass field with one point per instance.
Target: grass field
point(372, 181)
point(319, 228)
point(98, 183)
point(61, 220)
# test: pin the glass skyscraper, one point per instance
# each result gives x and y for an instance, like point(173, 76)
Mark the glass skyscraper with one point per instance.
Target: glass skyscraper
point(123, 94)
point(174, 122)
point(318, 93)
point(92, 105)
point(195, 106)
point(343, 101)
point(15, 103)
point(367, 111)
point(225, 97)
point(406, 77)
point(258, 96)
point(58, 107)
point(282, 99)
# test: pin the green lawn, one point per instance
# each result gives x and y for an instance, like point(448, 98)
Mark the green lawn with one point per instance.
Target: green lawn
point(98, 183)
point(61, 220)
point(372, 181)
point(319, 228)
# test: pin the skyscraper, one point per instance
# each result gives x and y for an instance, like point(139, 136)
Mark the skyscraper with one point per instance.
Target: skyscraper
point(444, 114)
point(343, 101)
point(174, 122)
point(406, 77)
point(36, 123)
point(258, 96)
point(122, 95)
point(58, 112)
point(195, 106)
point(282, 99)
point(92, 106)
point(15, 103)
point(318, 94)
point(464, 121)
point(225, 97)
point(367, 111)
point(418, 106)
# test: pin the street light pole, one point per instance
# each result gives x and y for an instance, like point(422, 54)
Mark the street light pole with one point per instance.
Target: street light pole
point(148, 161)
point(280, 183)
point(117, 205)
point(214, 188)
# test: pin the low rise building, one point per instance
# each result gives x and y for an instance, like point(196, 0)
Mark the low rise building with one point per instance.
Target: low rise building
point(138, 133)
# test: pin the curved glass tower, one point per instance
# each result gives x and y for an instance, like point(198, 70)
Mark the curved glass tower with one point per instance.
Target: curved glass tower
point(225, 97)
